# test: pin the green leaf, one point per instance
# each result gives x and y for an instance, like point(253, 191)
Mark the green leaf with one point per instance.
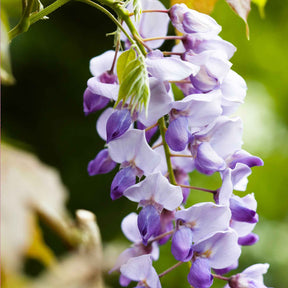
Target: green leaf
point(133, 79)
point(6, 70)
point(123, 60)
point(261, 4)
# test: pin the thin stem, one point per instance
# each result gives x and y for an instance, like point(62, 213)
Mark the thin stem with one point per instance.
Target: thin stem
point(170, 269)
point(163, 38)
point(160, 236)
point(198, 188)
point(115, 57)
point(168, 53)
point(26, 20)
point(151, 127)
point(110, 15)
point(162, 128)
point(220, 277)
point(138, 38)
point(181, 155)
point(157, 145)
point(159, 11)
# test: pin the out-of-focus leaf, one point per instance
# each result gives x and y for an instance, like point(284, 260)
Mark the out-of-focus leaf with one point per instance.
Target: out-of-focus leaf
point(261, 4)
point(6, 71)
point(242, 8)
point(38, 249)
point(204, 6)
point(133, 79)
point(27, 186)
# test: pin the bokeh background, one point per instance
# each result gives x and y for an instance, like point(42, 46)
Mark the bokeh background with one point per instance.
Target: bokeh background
point(43, 113)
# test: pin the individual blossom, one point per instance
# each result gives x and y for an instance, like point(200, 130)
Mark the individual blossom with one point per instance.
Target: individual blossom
point(154, 194)
point(140, 269)
point(136, 157)
point(217, 251)
point(196, 223)
point(251, 277)
point(130, 230)
point(188, 21)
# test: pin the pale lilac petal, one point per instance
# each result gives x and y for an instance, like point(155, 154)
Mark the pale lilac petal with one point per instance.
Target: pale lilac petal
point(225, 135)
point(256, 272)
point(200, 42)
point(170, 68)
point(102, 63)
point(132, 146)
point(153, 24)
point(156, 187)
point(130, 229)
point(141, 269)
point(190, 21)
point(150, 24)
point(205, 219)
point(159, 103)
point(102, 121)
point(137, 268)
point(225, 191)
point(107, 90)
point(200, 275)
point(221, 249)
point(200, 109)
point(239, 176)
point(207, 161)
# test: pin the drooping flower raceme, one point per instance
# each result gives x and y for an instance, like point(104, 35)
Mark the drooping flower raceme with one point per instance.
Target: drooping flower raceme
point(155, 149)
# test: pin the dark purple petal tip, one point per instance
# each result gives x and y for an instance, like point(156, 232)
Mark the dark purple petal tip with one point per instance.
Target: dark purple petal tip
point(102, 164)
point(117, 124)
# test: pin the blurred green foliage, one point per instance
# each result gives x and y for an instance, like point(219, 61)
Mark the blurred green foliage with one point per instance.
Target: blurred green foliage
point(44, 112)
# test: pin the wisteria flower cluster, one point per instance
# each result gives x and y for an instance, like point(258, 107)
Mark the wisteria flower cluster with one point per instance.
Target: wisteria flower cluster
point(156, 141)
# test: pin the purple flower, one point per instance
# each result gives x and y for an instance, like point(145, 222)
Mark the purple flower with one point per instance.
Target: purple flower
point(125, 178)
point(105, 82)
point(130, 230)
point(181, 247)
point(250, 277)
point(188, 21)
point(221, 249)
point(140, 269)
point(132, 149)
point(200, 275)
point(93, 102)
point(117, 124)
point(102, 163)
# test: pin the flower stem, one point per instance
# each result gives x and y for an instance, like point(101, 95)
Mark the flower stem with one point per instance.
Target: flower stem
point(181, 155)
point(164, 38)
point(161, 236)
point(170, 269)
point(198, 188)
point(27, 19)
point(162, 128)
point(220, 277)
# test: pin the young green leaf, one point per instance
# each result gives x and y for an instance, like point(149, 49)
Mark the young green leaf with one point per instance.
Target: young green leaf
point(133, 80)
